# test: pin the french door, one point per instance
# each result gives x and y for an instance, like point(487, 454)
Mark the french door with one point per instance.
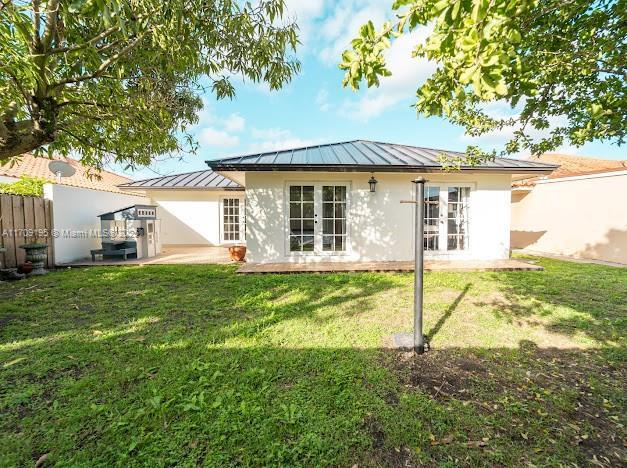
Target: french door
point(317, 218)
point(447, 209)
point(233, 220)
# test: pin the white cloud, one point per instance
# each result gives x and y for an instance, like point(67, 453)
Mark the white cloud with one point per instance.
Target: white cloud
point(277, 145)
point(234, 123)
point(322, 100)
point(408, 74)
point(210, 136)
point(216, 131)
point(205, 115)
point(270, 133)
point(275, 139)
point(326, 27)
point(342, 26)
point(306, 13)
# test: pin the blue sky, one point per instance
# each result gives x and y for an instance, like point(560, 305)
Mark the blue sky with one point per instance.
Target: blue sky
point(314, 108)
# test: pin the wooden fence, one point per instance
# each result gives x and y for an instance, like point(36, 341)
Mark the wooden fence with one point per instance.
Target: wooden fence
point(23, 220)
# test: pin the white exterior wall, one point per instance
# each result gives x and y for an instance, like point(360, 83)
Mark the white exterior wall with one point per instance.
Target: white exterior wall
point(76, 210)
point(380, 228)
point(7, 179)
point(190, 217)
point(581, 217)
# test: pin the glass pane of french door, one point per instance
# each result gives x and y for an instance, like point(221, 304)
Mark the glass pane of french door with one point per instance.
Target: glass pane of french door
point(457, 218)
point(301, 218)
point(333, 218)
point(231, 219)
point(432, 219)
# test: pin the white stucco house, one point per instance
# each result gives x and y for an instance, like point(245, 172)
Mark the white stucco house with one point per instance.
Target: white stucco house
point(196, 208)
point(318, 203)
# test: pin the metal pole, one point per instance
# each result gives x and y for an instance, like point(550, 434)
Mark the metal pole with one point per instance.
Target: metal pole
point(419, 339)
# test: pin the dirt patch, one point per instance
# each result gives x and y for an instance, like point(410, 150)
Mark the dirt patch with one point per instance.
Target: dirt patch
point(385, 456)
point(578, 395)
point(437, 375)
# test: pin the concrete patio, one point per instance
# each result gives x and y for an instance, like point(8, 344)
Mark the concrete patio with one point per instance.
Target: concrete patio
point(430, 265)
point(207, 255)
point(170, 255)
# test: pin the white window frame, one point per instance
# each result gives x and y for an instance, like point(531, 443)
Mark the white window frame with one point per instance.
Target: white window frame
point(443, 226)
point(317, 251)
point(242, 220)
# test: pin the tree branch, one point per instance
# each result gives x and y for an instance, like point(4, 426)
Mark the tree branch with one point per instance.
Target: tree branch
point(106, 64)
point(36, 20)
point(88, 143)
point(19, 86)
point(21, 137)
point(4, 4)
point(93, 40)
point(52, 15)
point(81, 103)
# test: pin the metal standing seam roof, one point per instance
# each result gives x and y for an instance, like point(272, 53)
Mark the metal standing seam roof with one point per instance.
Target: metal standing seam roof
point(204, 180)
point(365, 156)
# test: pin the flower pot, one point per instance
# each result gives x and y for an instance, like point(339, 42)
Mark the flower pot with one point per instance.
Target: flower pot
point(25, 268)
point(37, 254)
point(237, 252)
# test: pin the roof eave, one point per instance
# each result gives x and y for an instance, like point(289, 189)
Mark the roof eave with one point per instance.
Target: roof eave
point(191, 189)
point(370, 168)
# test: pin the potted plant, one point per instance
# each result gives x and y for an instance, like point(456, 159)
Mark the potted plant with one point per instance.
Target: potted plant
point(25, 268)
point(37, 254)
point(237, 252)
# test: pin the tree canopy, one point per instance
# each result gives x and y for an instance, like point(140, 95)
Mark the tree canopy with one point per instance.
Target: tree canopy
point(121, 79)
point(559, 64)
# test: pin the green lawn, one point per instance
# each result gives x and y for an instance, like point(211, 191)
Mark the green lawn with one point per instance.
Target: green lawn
point(185, 365)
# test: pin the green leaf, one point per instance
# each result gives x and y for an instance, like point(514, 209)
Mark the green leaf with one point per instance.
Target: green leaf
point(501, 88)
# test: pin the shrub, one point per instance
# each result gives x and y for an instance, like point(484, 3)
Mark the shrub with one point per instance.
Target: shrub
point(27, 185)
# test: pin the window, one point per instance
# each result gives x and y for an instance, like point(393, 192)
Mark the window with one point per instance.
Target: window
point(334, 218)
point(301, 229)
point(317, 218)
point(432, 219)
point(231, 220)
point(457, 219)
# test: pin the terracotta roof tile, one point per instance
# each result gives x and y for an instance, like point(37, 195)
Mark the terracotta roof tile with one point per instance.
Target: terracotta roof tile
point(38, 167)
point(579, 165)
point(570, 166)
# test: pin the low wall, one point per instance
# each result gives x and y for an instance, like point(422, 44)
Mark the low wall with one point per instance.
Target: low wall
point(75, 217)
point(581, 217)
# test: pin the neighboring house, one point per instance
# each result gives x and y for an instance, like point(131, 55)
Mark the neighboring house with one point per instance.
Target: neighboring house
point(196, 208)
point(76, 203)
point(315, 204)
point(579, 210)
point(29, 165)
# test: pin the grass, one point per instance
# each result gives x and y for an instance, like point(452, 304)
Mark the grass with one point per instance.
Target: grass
point(186, 365)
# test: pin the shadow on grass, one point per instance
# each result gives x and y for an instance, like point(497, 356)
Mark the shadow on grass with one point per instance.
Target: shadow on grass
point(447, 314)
point(129, 400)
point(569, 297)
point(176, 366)
point(108, 299)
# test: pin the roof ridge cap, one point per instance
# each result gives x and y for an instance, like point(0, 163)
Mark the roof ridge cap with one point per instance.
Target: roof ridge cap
point(132, 181)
